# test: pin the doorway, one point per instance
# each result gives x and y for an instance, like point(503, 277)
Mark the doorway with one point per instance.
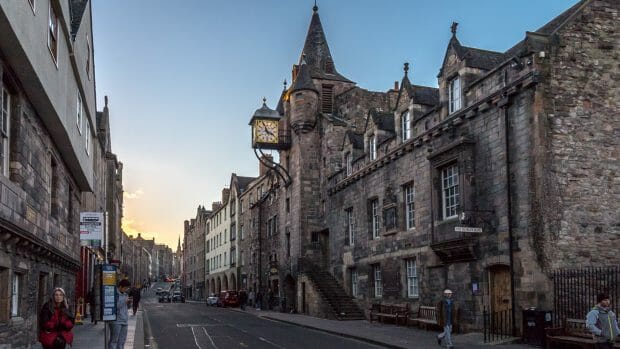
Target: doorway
point(500, 300)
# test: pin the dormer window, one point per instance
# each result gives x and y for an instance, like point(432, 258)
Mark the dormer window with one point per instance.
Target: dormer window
point(405, 126)
point(372, 147)
point(454, 97)
point(348, 160)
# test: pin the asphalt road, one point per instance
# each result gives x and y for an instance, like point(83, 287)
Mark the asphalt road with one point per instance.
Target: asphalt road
point(194, 325)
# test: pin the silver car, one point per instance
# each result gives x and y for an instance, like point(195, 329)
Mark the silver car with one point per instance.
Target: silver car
point(212, 300)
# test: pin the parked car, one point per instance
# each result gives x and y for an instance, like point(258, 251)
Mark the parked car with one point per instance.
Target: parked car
point(228, 299)
point(164, 296)
point(212, 300)
point(177, 296)
point(158, 291)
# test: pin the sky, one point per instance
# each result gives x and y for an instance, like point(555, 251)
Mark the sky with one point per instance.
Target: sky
point(184, 78)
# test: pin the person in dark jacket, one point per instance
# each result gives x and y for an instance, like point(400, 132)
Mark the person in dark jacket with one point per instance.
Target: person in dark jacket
point(243, 298)
point(56, 322)
point(447, 312)
point(135, 295)
point(602, 322)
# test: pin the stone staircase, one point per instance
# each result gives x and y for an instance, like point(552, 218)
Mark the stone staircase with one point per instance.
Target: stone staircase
point(343, 306)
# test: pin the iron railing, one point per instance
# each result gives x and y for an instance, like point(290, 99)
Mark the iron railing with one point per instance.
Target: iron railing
point(497, 325)
point(575, 291)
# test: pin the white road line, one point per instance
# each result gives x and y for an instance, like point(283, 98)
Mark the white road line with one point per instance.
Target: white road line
point(195, 339)
point(270, 342)
point(208, 335)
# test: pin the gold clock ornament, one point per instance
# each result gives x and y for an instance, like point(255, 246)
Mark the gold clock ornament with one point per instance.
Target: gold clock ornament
point(266, 131)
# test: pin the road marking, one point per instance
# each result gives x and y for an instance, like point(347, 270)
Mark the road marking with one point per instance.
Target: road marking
point(270, 342)
point(195, 339)
point(198, 325)
point(243, 344)
point(211, 339)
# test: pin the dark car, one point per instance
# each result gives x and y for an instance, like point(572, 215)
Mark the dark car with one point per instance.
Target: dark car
point(228, 299)
point(164, 296)
point(177, 296)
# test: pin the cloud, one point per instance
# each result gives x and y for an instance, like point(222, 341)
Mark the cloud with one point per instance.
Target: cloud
point(135, 195)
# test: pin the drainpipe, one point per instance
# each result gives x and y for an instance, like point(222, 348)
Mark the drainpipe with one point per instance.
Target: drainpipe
point(504, 108)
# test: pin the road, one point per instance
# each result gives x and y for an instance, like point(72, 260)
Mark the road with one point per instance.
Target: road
point(194, 325)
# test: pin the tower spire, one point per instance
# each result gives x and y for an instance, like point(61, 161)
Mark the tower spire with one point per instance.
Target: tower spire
point(315, 8)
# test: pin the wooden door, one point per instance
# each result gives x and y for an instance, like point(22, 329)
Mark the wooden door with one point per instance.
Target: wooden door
point(500, 288)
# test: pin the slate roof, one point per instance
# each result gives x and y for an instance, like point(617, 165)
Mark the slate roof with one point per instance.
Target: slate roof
point(383, 120)
point(77, 8)
point(244, 182)
point(316, 52)
point(475, 57)
point(420, 94)
point(303, 80)
point(356, 139)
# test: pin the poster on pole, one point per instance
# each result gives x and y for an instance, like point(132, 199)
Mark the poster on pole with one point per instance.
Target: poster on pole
point(108, 292)
point(91, 228)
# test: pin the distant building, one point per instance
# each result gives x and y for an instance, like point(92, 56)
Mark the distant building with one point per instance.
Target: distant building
point(194, 254)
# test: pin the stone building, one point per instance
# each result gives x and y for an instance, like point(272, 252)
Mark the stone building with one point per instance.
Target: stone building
point(194, 254)
point(219, 274)
point(485, 184)
point(47, 156)
point(176, 260)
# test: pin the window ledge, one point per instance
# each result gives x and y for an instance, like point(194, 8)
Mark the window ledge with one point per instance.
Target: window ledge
point(17, 320)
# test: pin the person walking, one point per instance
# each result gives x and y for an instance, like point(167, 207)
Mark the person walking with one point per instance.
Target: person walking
point(251, 297)
point(92, 305)
point(56, 322)
point(118, 327)
point(135, 299)
point(602, 323)
point(446, 318)
point(243, 298)
point(259, 300)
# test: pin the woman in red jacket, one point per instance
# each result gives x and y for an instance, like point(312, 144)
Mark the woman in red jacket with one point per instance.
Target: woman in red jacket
point(56, 322)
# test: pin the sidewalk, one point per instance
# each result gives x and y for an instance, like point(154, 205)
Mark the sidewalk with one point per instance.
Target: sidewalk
point(91, 336)
point(389, 336)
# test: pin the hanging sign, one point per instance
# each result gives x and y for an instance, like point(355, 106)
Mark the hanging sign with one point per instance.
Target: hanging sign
point(91, 228)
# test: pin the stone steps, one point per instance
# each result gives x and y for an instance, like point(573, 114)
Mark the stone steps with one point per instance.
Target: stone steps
point(343, 306)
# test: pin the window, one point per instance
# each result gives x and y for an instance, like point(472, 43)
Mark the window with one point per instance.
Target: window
point(288, 205)
point(15, 288)
point(454, 95)
point(450, 191)
point(374, 211)
point(79, 112)
point(240, 206)
point(353, 283)
point(405, 126)
point(233, 206)
point(348, 160)
point(233, 231)
point(242, 258)
point(327, 99)
point(349, 223)
point(241, 235)
point(410, 206)
point(288, 243)
point(87, 145)
point(52, 34)
point(5, 115)
point(378, 280)
point(372, 147)
point(412, 278)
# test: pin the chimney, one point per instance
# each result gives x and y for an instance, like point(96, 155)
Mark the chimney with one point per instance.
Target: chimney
point(185, 226)
point(216, 205)
point(395, 85)
point(262, 169)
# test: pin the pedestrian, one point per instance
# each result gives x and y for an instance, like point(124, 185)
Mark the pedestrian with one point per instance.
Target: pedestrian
point(259, 300)
point(135, 297)
point(243, 298)
point(447, 311)
point(118, 327)
point(92, 305)
point(270, 299)
point(251, 297)
point(602, 323)
point(56, 322)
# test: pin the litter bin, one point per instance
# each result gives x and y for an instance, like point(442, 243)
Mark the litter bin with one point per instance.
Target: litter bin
point(534, 323)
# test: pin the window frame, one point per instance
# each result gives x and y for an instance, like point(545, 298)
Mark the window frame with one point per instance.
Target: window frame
point(375, 219)
point(16, 288)
point(5, 134)
point(377, 280)
point(52, 33)
point(354, 283)
point(450, 210)
point(409, 192)
point(372, 147)
point(412, 282)
point(350, 226)
point(405, 126)
point(454, 94)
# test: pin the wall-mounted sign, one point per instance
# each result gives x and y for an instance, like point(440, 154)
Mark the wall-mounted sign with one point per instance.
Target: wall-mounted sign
point(108, 292)
point(468, 229)
point(91, 228)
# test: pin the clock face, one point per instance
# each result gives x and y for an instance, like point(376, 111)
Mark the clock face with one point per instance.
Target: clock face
point(266, 131)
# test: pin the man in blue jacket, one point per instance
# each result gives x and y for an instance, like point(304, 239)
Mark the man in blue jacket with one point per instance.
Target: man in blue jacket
point(602, 322)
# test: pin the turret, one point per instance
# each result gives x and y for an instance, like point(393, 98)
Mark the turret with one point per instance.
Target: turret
point(304, 101)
